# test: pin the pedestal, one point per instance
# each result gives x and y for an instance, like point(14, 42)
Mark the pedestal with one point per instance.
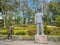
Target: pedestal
point(42, 39)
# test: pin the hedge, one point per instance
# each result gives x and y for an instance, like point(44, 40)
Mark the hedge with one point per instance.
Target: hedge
point(20, 32)
point(31, 30)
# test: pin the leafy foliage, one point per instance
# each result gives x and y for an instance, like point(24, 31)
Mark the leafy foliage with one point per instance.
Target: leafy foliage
point(54, 9)
point(57, 21)
point(1, 23)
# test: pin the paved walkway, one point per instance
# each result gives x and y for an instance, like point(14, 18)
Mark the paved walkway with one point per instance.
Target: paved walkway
point(26, 43)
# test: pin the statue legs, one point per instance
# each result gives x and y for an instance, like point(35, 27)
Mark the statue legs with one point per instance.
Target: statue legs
point(42, 39)
point(37, 31)
point(40, 27)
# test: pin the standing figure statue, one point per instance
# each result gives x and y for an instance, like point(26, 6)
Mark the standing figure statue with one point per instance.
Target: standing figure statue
point(39, 22)
point(10, 29)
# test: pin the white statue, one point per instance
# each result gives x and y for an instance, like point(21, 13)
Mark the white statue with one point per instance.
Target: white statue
point(39, 22)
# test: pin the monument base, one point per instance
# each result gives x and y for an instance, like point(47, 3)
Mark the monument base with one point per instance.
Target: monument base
point(42, 39)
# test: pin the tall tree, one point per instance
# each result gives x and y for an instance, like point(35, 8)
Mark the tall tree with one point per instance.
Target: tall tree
point(54, 8)
point(9, 7)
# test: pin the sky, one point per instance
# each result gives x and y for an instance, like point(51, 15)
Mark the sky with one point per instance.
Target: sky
point(29, 1)
point(48, 0)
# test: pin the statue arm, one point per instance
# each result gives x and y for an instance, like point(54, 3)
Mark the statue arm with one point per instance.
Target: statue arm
point(42, 15)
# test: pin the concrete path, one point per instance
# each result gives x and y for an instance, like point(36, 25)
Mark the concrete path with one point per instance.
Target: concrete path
point(26, 43)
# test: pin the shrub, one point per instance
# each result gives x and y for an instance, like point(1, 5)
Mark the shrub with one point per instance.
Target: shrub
point(20, 32)
point(1, 23)
point(45, 28)
point(0, 33)
point(52, 30)
point(17, 28)
point(24, 25)
point(29, 27)
point(31, 32)
point(3, 32)
point(58, 28)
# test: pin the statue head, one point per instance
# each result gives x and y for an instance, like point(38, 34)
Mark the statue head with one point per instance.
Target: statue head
point(10, 24)
point(39, 10)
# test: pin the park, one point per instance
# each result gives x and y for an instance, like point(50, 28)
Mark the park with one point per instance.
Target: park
point(29, 22)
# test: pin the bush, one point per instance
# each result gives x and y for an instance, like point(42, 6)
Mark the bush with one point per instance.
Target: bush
point(0, 33)
point(17, 28)
point(20, 32)
point(25, 25)
point(1, 23)
point(29, 27)
point(3, 32)
point(31, 32)
point(57, 21)
point(45, 28)
point(52, 30)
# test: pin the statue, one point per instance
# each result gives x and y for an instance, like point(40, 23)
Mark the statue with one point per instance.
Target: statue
point(39, 21)
point(10, 30)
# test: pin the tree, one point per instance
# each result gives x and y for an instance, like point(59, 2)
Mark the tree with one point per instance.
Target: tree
point(57, 21)
point(8, 8)
point(53, 8)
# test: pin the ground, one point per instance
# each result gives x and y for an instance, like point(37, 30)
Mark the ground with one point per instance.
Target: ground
point(26, 43)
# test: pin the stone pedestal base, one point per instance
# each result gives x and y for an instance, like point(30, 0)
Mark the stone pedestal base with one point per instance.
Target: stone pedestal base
point(42, 39)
